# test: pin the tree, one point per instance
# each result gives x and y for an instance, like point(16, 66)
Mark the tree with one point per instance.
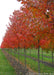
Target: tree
point(31, 26)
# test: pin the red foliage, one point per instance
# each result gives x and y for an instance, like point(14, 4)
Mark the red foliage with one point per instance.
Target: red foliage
point(33, 22)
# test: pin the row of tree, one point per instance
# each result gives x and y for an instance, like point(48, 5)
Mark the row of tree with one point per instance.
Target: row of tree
point(31, 26)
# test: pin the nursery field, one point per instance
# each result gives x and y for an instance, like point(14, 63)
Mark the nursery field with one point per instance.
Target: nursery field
point(47, 57)
point(27, 47)
point(5, 67)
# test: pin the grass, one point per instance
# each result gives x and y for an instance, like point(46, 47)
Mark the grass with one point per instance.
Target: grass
point(34, 64)
point(5, 67)
point(34, 53)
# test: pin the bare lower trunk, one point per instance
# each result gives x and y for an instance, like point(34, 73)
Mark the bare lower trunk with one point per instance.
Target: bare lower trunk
point(52, 57)
point(42, 55)
point(30, 53)
point(25, 61)
point(18, 63)
point(38, 59)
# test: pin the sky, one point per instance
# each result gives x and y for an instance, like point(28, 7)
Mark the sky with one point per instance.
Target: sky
point(6, 9)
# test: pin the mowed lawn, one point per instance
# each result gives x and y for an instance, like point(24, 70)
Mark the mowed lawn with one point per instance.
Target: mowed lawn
point(5, 67)
point(34, 64)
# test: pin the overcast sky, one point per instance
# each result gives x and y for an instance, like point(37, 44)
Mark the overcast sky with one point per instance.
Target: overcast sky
point(6, 9)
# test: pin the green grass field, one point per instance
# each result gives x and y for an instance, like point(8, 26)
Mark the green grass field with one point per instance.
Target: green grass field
point(5, 67)
point(34, 64)
point(34, 53)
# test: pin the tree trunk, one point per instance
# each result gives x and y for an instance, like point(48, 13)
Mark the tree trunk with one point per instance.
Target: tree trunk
point(38, 59)
point(25, 61)
point(18, 64)
point(18, 55)
point(52, 57)
point(30, 53)
point(42, 55)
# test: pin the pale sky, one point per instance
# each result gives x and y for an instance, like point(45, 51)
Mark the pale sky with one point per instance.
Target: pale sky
point(6, 9)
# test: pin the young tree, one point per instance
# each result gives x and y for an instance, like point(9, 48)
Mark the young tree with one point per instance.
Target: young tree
point(32, 25)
